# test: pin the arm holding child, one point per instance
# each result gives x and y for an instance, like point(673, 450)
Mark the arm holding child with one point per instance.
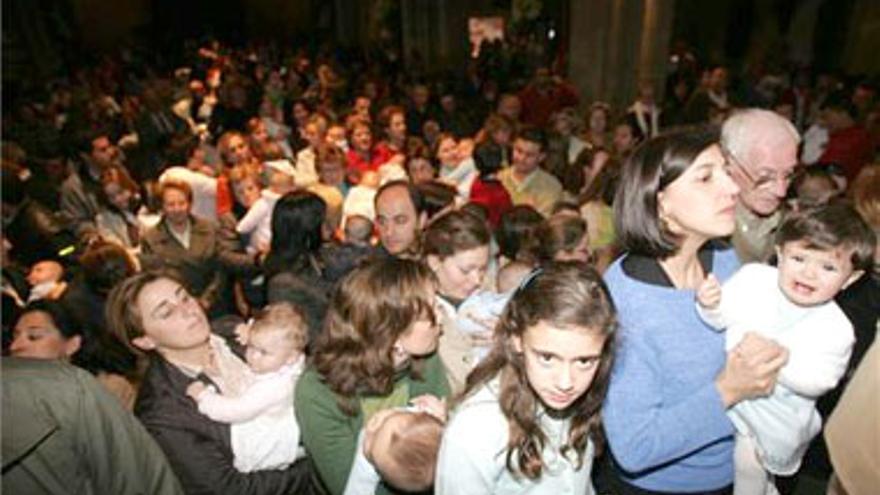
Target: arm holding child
point(260, 396)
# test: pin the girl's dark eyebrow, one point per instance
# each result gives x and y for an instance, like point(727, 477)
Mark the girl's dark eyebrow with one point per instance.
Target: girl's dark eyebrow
point(553, 354)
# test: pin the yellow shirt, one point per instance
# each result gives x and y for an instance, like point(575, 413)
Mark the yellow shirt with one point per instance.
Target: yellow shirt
point(539, 189)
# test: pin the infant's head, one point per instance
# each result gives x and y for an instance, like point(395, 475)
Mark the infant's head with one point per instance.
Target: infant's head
point(358, 230)
point(276, 338)
point(511, 275)
point(45, 271)
point(403, 446)
point(822, 251)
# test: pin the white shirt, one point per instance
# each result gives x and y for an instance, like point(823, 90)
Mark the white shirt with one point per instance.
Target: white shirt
point(306, 173)
point(819, 340)
point(460, 176)
point(264, 432)
point(473, 454)
point(257, 222)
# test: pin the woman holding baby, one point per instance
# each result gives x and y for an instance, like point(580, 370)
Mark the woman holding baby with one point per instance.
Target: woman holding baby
point(376, 356)
point(156, 316)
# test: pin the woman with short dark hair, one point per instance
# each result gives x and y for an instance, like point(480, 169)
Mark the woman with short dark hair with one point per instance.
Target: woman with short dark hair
point(672, 383)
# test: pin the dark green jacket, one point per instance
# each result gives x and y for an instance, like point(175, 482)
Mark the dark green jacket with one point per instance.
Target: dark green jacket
point(63, 434)
point(330, 435)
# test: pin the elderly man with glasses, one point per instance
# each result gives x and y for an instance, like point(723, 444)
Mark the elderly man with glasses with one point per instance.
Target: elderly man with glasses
point(761, 151)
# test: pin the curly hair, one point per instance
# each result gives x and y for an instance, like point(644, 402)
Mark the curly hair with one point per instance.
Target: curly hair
point(371, 309)
point(567, 295)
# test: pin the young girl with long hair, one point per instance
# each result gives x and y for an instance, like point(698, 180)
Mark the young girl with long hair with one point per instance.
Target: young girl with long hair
point(529, 421)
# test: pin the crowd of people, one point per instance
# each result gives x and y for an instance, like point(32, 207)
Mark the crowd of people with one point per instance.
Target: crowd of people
point(304, 278)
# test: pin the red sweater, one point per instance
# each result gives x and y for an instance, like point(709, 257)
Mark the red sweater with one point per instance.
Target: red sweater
point(493, 196)
point(358, 165)
point(850, 148)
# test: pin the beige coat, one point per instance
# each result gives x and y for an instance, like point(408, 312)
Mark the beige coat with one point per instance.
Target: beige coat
point(853, 430)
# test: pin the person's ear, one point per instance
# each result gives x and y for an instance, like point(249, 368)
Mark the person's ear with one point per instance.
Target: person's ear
point(72, 345)
point(423, 220)
point(778, 250)
point(855, 275)
point(144, 343)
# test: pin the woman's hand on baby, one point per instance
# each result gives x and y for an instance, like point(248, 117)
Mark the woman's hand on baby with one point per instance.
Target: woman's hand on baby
point(709, 292)
point(751, 369)
point(431, 405)
point(195, 389)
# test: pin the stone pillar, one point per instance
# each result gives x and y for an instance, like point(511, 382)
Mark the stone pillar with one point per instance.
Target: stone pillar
point(613, 44)
point(863, 38)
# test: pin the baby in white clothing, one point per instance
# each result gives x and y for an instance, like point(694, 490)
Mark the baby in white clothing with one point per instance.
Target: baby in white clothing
point(264, 431)
point(400, 446)
point(257, 222)
point(820, 252)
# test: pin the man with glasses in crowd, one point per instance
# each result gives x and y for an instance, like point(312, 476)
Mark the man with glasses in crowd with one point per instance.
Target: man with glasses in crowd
point(761, 150)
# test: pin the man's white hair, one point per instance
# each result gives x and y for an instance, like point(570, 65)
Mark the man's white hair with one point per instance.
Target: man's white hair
point(754, 129)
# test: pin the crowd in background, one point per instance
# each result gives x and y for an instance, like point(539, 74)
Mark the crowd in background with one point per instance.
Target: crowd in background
point(263, 175)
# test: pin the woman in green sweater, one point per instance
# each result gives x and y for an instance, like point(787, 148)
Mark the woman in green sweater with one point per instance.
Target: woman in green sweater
point(377, 351)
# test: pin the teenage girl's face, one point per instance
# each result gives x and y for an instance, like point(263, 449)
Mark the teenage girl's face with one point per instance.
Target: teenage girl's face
point(461, 274)
point(560, 362)
point(35, 336)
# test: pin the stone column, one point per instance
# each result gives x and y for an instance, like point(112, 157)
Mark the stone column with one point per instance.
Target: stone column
point(613, 44)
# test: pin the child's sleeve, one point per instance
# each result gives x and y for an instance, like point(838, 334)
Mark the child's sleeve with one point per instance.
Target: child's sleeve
point(363, 477)
point(252, 218)
point(818, 354)
point(254, 401)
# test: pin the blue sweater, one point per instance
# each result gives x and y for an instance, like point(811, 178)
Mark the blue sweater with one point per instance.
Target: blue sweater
point(665, 421)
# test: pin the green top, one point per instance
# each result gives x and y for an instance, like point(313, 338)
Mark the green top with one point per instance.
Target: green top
point(330, 435)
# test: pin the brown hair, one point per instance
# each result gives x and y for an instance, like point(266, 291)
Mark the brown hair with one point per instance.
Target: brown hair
point(413, 449)
point(118, 176)
point(561, 232)
point(568, 296)
point(177, 185)
point(453, 232)
point(371, 309)
point(865, 191)
point(828, 227)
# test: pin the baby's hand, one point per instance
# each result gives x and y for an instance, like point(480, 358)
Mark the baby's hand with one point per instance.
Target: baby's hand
point(431, 405)
point(709, 292)
point(195, 389)
point(242, 333)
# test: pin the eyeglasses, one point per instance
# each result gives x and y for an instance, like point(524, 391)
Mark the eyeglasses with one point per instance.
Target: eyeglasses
point(764, 180)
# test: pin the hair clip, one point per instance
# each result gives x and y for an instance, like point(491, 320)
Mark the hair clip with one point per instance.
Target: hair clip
point(528, 279)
